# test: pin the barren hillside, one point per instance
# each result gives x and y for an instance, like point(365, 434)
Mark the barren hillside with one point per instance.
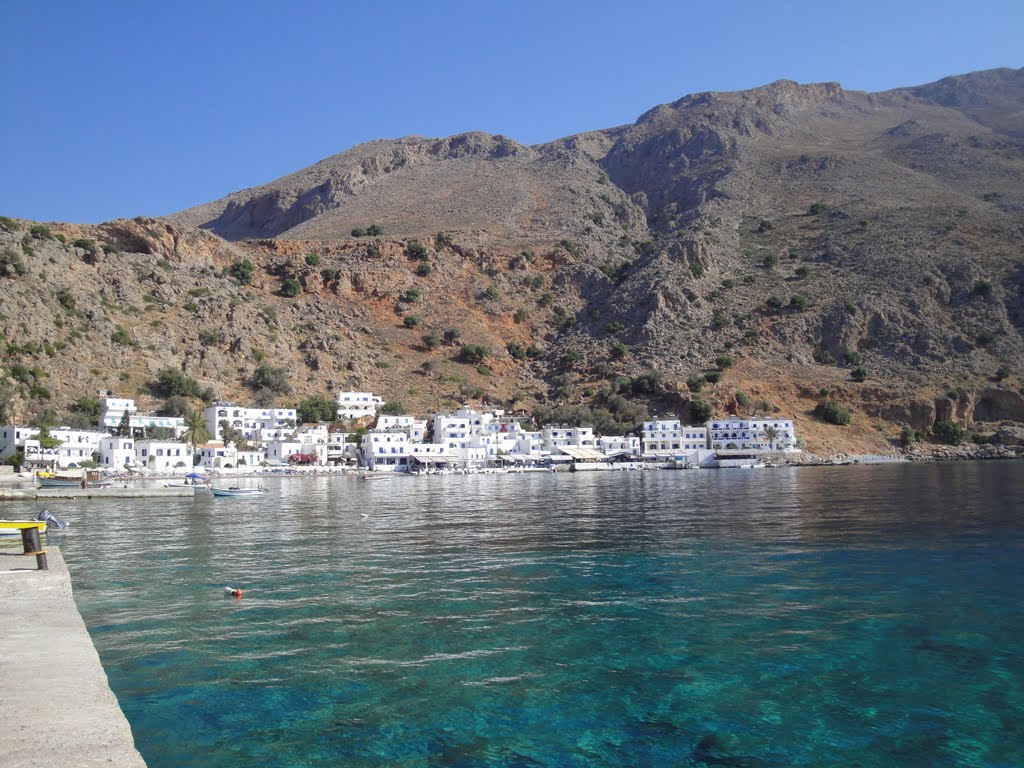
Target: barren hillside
point(766, 247)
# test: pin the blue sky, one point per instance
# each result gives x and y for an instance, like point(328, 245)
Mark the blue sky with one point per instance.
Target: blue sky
point(118, 109)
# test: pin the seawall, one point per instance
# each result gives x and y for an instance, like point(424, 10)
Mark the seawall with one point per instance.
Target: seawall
point(32, 494)
point(56, 705)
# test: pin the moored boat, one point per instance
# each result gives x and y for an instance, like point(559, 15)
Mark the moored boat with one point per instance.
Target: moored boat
point(15, 527)
point(236, 491)
point(80, 479)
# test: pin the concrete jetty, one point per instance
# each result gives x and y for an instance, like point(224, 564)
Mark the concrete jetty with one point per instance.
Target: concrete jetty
point(56, 706)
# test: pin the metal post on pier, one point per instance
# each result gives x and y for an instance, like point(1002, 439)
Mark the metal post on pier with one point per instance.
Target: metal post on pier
point(34, 546)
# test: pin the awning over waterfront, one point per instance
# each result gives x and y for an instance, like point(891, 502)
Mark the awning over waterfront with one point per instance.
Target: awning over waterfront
point(518, 457)
point(583, 454)
point(437, 458)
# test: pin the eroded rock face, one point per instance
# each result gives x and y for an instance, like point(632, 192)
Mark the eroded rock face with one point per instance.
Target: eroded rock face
point(919, 414)
point(998, 404)
point(1010, 435)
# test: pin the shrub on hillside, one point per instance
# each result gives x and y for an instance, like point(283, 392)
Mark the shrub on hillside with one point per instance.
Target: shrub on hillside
point(701, 410)
point(171, 381)
point(473, 354)
point(949, 431)
point(270, 378)
point(830, 411)
point(290, 287)
point(242, 270)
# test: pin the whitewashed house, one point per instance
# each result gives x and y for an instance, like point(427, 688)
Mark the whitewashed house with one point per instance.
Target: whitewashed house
point(415, 428)
point(671, 436)
point(163, 455)
point(386, 451)
point(749, 434)
point(358, 405)
point(112, 410)
point(147, 421)
point(77, 445)
point(452, 430)
point(117, 452)
point(428, 456)
point(13, 437)
point(216, 455)
point(255, 424)
point(339, 449)
point(250, 457)
point(554, 436)
point(619, 445)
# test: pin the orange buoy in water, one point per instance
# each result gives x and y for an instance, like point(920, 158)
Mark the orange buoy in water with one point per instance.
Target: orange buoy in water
point(236, 593)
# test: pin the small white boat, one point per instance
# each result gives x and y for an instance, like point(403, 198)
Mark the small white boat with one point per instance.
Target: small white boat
point(236, 491)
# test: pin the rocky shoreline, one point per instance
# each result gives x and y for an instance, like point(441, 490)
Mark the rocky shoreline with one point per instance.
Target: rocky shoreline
point(966, 452)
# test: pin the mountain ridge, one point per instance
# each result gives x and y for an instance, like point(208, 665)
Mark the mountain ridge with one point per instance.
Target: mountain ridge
point(804, 232)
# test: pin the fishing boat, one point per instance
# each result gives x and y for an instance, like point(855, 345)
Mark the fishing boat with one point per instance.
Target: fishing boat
point(80, 479)
point(236, 491)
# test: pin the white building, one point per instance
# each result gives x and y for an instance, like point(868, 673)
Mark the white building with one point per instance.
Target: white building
point(147, 421)
point(415, 428)
point(358, 405)
point(13, 437)
point(112, 410)
point(255, 424)
point(308, 440)
point(117, 452)
point(393, 451)
point(77, 445)
point(749, 434)
point(671, 435)
point(554, 436)
point(619, 444)
point(163, 455)
point(453, 431)
point(216, 455)
point(339, 449)
point(386, 451)
point(528, 444)
point(281, 451)
point(251, 457)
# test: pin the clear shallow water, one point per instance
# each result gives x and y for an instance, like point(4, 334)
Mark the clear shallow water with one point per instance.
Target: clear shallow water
point(854, 616)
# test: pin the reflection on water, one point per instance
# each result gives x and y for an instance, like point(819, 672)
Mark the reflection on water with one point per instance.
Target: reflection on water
point(846, 616)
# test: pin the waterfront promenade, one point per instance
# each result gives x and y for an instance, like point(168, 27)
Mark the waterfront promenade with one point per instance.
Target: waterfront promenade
point(55, 703)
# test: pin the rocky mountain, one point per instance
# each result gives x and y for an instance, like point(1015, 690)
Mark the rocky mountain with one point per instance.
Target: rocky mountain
point(752, 251)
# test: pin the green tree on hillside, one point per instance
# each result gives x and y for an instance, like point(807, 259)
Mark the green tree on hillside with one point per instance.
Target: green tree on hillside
point(317, 408)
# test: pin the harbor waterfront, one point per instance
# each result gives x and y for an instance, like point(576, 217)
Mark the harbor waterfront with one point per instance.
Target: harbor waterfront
point(863, 615)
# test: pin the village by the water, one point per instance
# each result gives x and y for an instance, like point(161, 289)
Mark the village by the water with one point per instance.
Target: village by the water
point(235, 439)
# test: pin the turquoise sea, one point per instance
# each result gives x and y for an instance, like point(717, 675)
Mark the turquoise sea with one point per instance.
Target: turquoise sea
point(848, 616)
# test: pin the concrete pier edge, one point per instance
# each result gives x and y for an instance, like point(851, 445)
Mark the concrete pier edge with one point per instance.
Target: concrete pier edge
point(55, 700)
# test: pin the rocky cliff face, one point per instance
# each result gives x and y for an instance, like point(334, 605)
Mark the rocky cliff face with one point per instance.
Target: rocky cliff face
point(792, 239)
